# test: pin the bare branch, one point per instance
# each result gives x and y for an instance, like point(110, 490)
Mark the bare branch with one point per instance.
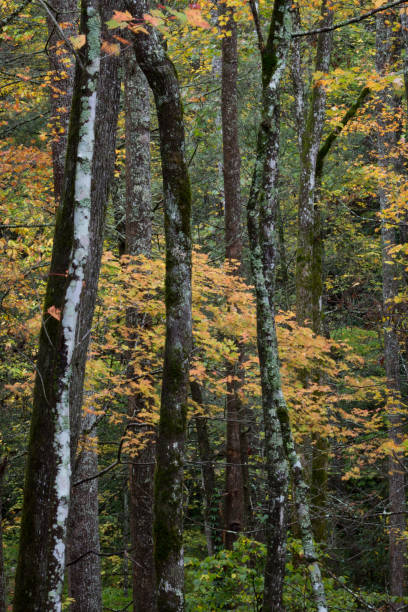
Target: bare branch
point(9, 18)
point(357, 19)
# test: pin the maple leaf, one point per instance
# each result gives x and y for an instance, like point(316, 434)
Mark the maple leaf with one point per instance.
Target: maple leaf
point(78, 41)
point(195, 18)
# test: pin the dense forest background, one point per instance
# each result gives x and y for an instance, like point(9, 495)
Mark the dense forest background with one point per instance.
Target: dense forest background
point(237, 442)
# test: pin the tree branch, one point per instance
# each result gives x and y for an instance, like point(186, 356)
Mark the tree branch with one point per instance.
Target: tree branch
point(7, 20)
point(357, 19)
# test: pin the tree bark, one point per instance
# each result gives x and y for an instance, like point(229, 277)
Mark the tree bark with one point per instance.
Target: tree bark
point(84, 566)
point(169, 476)
point(62, 65)
point(261, 217)
point(387, 146)
point(41, 563)
point(83, 527)
point(309, 252)
point(138, 242)
point(234, 510)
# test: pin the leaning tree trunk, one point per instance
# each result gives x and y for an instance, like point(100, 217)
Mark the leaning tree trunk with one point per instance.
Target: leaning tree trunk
point(261, 216)
point(84, 579)
point(138, 242)
point(41, 563)
point(387, 154)
point(169, 476)
point(234, 510)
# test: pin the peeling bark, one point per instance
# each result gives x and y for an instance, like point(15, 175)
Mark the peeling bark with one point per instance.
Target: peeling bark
point(41, 563)
point(169, 476)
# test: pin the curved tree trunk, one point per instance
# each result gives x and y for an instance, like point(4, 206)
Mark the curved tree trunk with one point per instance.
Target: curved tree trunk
point(169, 476)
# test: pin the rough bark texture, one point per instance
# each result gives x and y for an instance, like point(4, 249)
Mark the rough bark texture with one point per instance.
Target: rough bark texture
point(387, 143)
point(3, 600)
point(84, 567)
point(84, 576)
point(169, 477)
point(138, 242)
point(261, 216)
point(62, 63)
point(41, 562)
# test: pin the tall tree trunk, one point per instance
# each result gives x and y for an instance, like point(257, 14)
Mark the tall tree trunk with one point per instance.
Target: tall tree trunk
point(138, 242)
point(309, 253)
point(3, 591)
point(83, 529)
point(387, 146)
point(261, 216)
point(84, 566)
point(234, 511)
point(169, 476)
point(41, 563)
point(62, 64)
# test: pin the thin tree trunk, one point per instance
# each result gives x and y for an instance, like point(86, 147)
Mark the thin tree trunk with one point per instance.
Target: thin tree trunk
point(61, 63)
point(3, 590)
point(138, 241)
point(84, 567)
point(212, 526)
point(169, 476)
point(41, 563)
point(387, 145)
point(309, 253)
point(261, 216)
point(84, 577)
point(234, 511)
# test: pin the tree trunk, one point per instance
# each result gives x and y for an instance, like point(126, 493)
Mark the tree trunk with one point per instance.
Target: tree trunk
point(309, 253)
point(211, 525)
point(169, 476)
point(41, 563)
point(234, 510)
point(387, 145)
point(84, 576)
point(138, 241)
point(84, 567)
point(61, 63)
point(3, 588)
point(261, 216)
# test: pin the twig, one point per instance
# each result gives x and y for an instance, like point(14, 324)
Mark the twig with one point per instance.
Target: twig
point(57, 25)
point(7, 20)
point(357, 19)
point(255, 15)
point(356, 596)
